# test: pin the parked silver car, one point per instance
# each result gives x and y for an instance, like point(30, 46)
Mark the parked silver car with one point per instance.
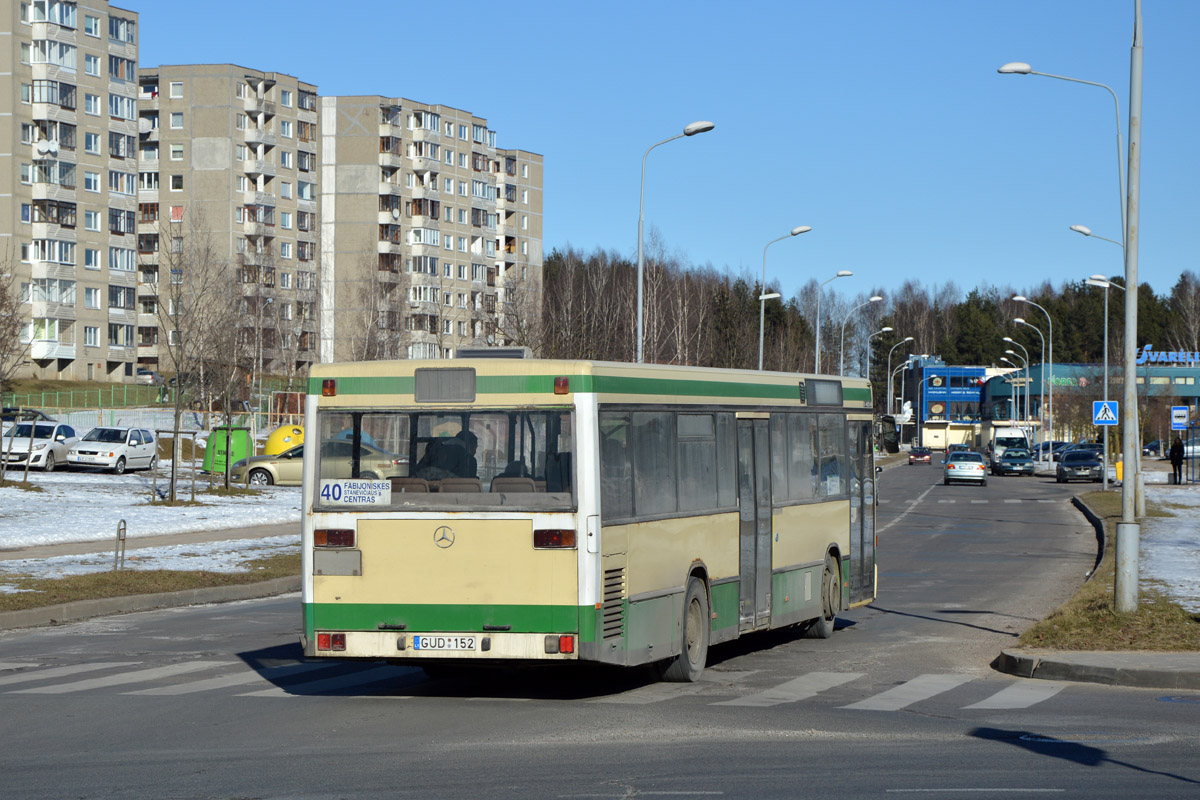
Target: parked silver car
point(117, 449)
point(46, 449)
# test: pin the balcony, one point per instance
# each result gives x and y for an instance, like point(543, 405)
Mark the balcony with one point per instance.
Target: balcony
point(48, 269)
point(52, 309)
point(259, 229)
point(147, 351)
point(260, 167)
point(44, 350)
point(389, 217)
point(147, 320)
point(256, 135)
point(390, 247)
point(257, 105)
point(257, 198)
point(392, 160)
point(390, 188)
point(52, 191)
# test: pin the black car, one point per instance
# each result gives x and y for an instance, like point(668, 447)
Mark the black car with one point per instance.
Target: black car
point(1080, 465)
point(10, 414)
point(1154, 448)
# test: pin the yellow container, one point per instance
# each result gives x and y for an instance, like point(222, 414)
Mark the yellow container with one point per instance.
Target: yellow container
point(1120, 464)
point(285, 437)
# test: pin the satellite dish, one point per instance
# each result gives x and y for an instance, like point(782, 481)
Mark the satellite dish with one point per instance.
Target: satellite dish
point(144, 125)
point(395, 213)
point(43, 146)
point(53, 146)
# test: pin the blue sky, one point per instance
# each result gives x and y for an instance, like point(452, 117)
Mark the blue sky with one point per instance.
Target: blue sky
point(883, 125)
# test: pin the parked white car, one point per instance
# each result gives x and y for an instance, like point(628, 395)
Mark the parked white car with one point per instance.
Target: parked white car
point(51, 443)
point(117, 449)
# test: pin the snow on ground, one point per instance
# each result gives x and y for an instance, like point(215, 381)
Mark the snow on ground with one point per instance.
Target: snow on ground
point(1170, 546)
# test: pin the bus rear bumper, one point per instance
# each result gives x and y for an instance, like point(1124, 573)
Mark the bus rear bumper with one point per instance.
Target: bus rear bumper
point(443, 646)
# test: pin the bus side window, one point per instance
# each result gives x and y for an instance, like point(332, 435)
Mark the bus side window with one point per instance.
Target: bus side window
point(558, 472)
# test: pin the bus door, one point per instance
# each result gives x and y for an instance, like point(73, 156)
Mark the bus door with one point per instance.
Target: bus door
point(862, 513)
point(754, 513)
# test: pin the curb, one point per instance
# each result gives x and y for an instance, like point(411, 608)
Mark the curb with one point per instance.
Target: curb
point(88, 609)
point(1104, 668)
point(1098, 524)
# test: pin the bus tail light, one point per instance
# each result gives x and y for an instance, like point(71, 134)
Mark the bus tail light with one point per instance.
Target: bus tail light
point(329, 387)
point(554, 537)
point(331, 641)
point(333, 537)
point(562, 386)
point(560, 644)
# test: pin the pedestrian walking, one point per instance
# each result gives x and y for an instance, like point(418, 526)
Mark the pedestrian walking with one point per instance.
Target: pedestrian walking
point(1176, 455)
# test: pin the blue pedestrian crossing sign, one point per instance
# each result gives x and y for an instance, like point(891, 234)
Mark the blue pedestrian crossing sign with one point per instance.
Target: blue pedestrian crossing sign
point(1104, 412)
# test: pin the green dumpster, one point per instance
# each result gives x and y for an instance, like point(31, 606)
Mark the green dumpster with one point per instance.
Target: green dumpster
point(223, 442)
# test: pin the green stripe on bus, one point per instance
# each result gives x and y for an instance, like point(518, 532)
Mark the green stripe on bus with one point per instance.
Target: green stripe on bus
point(606, 384)
point(444, 618)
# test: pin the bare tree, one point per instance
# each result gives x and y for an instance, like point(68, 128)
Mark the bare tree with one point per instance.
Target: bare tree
point(13, 351)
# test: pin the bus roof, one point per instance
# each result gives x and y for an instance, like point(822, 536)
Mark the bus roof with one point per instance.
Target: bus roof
point(500, 381)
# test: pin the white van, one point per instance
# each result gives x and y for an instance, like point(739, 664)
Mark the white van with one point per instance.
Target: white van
point(1004, 438)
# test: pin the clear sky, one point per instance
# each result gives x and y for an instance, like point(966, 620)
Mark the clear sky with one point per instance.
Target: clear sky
point(882, 124)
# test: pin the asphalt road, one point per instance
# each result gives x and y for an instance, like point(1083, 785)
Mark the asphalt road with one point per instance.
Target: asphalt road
point(216, 702)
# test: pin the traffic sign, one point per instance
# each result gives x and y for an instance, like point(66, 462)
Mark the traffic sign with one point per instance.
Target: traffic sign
point(1179, 418)
point(1104, 412)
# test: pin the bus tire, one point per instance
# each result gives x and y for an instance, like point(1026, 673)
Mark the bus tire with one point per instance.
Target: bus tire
point(687, 666)
point(831, 602)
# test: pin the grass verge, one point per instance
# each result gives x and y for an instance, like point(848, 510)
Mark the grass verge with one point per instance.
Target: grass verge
point(1089, 620)
point(40, 592)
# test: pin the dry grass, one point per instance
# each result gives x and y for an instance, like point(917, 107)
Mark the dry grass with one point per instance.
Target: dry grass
point(39, 592)
point(1089, 620)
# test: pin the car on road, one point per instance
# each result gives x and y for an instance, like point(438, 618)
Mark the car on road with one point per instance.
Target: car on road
point(957, 448)
point(1014, 461)
point(1092, 447)
point(1154, 448)
point(964, 466)
point(1080, 465)
point(117, 449)
point(1042, 449)
point(919, 455)
point(47, 449)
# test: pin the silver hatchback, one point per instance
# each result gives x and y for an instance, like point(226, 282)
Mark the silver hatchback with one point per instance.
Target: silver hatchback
point(964, 466)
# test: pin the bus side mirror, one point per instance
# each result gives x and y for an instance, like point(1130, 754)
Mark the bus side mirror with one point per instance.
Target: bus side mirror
point(878, 470)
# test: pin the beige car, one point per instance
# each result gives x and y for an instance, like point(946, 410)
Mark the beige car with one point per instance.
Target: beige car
point(285, 469)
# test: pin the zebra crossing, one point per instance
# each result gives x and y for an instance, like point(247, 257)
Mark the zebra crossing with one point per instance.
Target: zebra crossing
point(716, 687)
point(974, 502)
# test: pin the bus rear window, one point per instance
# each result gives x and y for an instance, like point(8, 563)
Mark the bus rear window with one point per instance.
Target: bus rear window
point(520, 457)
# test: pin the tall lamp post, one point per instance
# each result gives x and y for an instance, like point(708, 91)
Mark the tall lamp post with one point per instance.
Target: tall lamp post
point(1022, 299)
point(842, 358)
point(690, 130)
point(880, 332)
point(842, 273)
point(1106, 284)
point(1013, 399)
point(1014, 343)
point(889, 370)
point(763, 297)
point(1041, 379)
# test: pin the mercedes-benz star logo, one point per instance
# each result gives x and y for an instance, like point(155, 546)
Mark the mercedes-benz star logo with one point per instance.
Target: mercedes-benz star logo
point(443, 537)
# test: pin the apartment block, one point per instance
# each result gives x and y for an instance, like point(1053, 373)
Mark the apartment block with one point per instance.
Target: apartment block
point(431, 235)
point(68, 177)
point(230, 154)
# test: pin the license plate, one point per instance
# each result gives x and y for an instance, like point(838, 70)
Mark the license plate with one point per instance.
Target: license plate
point(443, 643)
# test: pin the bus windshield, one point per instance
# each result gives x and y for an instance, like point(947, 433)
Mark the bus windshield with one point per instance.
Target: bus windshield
point(479, 457)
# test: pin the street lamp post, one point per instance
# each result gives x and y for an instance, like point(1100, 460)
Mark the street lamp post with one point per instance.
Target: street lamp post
point(1106, 284)
point(842, 358)
point(1050, 322)
point(880, 332)
point(690, 130)
point(842, 273)
point(889, 370)
point(763, 296)
point(1013, 402)
point(1014, 343)
point(1041, 376)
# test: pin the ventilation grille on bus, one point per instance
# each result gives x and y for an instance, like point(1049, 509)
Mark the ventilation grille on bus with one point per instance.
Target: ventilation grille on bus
point(614, 603)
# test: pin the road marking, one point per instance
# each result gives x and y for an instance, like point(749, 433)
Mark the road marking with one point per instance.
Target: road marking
point(1012, 501)
point(325, 684)
point(919, 688)
point(979, 502)
point(1021, 695)
point(952, 502)
point(137, 676)
point(652, 693)
point(58, 672)
point(17, 664)
point(236, 679)
point(796, 689)
point(912, 503)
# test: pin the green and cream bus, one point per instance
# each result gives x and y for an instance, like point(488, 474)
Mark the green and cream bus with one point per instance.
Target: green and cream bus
point(507, 510)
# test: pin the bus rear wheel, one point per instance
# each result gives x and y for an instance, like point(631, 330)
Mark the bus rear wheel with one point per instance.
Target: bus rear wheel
point(831, 602)
point(687, 666)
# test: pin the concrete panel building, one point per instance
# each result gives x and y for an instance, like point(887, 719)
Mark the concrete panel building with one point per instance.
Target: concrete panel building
point(68, 184)
point(431, 235)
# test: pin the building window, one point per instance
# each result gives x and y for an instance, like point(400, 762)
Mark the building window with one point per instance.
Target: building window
point(91, 335)
point(91, 104)
point(285, 190)
point(91, 298)
point(240, 122)
point(91, 64)
point(524, 222)
point(285, 129)
point(525, 196)
point(91, 143)
point(176, 89)
point(91, 220)
point(243, 183)
point(285, 249)
point(285, 159)
point(285, 220)
point(91, 26)
point(177, 152)
point(176, 183)
point(524, 170)
point(176, 120)
point(285, 98)
point(91, 181)
point(91, 258)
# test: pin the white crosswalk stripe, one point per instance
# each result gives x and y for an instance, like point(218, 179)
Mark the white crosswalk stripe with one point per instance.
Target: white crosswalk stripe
point(60, 672)
point(326, 684)
point(919, 688)
point(16, 664)
point(1020, 695)
point(227, 681)
point(138, 676)
point(801, 688)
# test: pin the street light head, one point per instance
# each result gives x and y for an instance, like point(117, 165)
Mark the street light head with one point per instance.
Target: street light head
point(1011, 352)
point(1098, 278)
point(770, 296)
point(908, 339)
point(1084, 229)
point(1007, 338)
point(1020, 298)
point(702, 126)
point(843, 273)
point(875, 299)
point(799, 229)
point(1020, 320)
point(1098, 281)
point(886, 329)
point(1015, 68)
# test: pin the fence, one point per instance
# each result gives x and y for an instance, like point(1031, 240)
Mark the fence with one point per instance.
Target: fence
point(117, 395)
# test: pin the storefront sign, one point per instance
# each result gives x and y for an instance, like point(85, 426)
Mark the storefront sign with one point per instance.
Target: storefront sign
point(1182, 357)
